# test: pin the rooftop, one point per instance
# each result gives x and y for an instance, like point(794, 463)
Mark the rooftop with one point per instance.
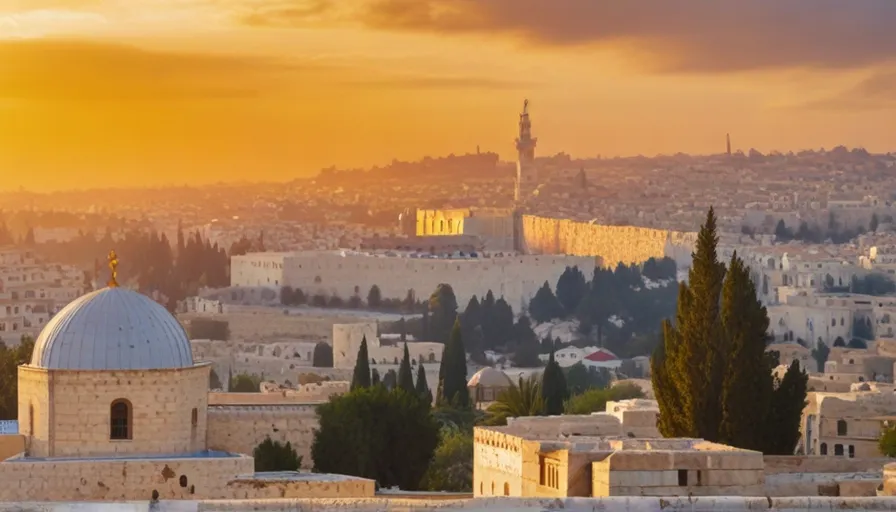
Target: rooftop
point(298, 476)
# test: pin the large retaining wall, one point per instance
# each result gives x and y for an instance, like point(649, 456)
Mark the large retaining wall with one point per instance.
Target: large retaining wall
point(613, 244)
point(621, 504)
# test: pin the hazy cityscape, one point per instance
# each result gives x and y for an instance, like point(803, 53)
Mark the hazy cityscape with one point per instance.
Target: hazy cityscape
point(191, 319)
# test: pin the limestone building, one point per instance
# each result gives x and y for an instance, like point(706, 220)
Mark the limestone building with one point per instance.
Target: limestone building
point(113, 407)
point(347, 340)
point(604, 454)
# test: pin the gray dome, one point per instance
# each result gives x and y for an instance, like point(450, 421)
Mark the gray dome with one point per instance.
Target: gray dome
point(112, 329)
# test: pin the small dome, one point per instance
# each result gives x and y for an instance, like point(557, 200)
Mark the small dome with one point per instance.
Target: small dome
point(112, 329)
point(490, 378)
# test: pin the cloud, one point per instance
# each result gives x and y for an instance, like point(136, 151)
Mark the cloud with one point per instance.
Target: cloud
point(876, 91)
point(65, 70)
point(663, 35)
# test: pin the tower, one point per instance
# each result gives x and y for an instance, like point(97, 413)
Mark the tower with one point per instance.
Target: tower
point(728, 140)
point(526, 173)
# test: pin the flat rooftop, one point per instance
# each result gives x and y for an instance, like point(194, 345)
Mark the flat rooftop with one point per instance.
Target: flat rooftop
point(205, 454)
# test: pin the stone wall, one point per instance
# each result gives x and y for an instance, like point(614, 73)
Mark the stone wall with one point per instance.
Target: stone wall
point(122, 479)
point(303, 395)
point(777, 464)
point(239, 429)
point(347, 340)
point(282, 485)
point(613, 244)
point(67, 413)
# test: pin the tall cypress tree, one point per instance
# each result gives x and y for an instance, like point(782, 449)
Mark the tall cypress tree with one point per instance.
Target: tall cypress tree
point(553, 387)
point(748, 382)
point(422, 387)
point(786, 411)
point(405, 375)
point(453, 371)
point(361, 375)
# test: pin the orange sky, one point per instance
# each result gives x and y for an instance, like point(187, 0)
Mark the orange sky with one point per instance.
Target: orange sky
point(130, 92)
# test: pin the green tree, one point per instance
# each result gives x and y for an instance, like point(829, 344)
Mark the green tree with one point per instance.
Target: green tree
point(553, 388)
point(451, 469)
point(453, 371)
point(387, 436)
point(374, 297)
point(275, 456)
point(689, 385)
point(323, 355)
point(405, 374)
point(214, 382)
point(820, 354)
point(595, 400)
point(521, 399)
point(571, 289)
point(887, 442)
point(10, 360)
point(245, 383)
point(747, 385)
point(544, 306)
point(580, 378)
point(422, 387)
point(443, 309)
point(783, 424)
point(361, 375)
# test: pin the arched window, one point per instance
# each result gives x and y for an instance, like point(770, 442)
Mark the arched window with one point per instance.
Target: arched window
point(481, 488)
point(493, 488)
point(120, 420)
point(841, 427)
point(194, 419)
point(838, 450)
point(824, 448)
point(31, 419)
point(506, 489)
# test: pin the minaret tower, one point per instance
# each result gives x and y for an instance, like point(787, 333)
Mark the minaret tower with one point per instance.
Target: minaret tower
point(728, 140)
point(526, 173)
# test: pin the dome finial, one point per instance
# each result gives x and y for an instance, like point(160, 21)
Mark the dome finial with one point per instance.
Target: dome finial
point(113, 266)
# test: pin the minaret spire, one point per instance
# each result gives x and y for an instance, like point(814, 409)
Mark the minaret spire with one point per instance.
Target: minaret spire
point(526, 173)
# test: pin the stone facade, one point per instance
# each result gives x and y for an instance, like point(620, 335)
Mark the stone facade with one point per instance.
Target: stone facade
point(347, 340)
point(613, 244)
point(239, 429)
point(845, 425)
point(67, 413)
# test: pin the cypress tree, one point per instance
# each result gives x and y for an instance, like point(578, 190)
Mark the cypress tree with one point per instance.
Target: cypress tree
point(453, 371)
point(783, 425)
point(553, 387)
point(748, 382)
point(422, 387)
point(405, 375)
point(374, 377)
point(361, 375)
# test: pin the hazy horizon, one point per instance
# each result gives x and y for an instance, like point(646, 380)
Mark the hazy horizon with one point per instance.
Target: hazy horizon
point(101, 93)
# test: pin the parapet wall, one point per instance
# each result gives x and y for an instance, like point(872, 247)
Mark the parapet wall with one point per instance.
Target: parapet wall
point(613, 244)
point(779, 464)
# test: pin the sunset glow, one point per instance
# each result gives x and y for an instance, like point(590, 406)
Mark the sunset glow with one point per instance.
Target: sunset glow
point(133, 92)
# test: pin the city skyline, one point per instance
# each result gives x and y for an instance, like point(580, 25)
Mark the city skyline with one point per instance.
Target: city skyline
point(101, 93)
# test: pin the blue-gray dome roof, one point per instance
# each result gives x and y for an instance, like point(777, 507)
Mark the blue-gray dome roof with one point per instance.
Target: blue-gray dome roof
point(112, 329)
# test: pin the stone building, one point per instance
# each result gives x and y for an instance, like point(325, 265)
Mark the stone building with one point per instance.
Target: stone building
point(847, 424)
point(381, 350)
point(113, 407)
point(601, 455)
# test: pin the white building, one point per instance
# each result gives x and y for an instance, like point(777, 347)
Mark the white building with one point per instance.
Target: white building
point(346, 274)
point(31, 292)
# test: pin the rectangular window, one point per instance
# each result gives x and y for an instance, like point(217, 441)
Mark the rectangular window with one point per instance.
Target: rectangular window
point(682, 478)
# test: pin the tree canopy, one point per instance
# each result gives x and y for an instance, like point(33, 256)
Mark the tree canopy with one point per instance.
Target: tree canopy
point(711, 373)
point(361, 374)
point(275, 456)
point(387, 436)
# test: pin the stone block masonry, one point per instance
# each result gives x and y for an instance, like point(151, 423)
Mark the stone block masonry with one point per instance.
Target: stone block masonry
point(239, 429)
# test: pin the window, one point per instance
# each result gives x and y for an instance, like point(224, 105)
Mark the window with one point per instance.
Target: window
point(842, 428)
point(120, 420)
point(506, 489)
point(852, 452)
point(824, 449)
point(194, 420)
point(838, 450)
point(682, 478)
